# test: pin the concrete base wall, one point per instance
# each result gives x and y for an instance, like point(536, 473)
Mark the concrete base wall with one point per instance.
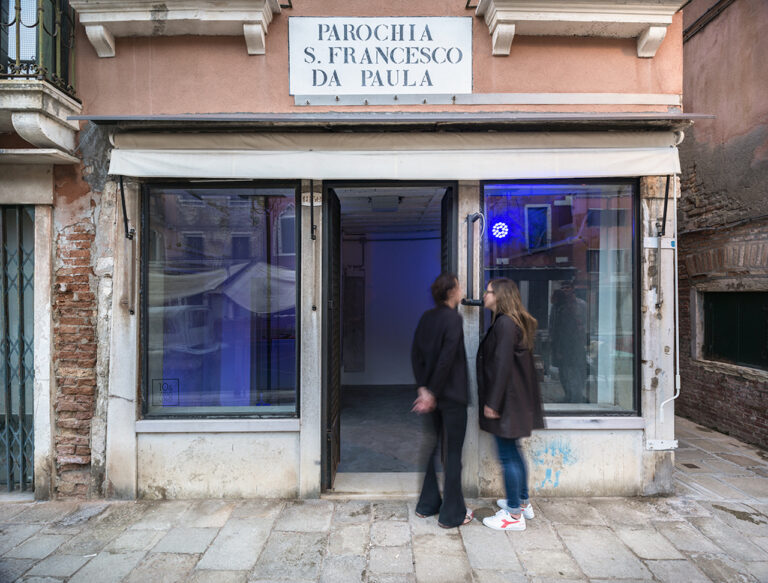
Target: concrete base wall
point(218, 465)
point(571, 463)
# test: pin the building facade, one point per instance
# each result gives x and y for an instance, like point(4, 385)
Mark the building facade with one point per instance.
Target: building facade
point(723, 236)
point(237, 220)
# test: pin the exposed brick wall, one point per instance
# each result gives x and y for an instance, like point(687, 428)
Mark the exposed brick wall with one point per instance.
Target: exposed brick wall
point(74, 332)
point(731, 399)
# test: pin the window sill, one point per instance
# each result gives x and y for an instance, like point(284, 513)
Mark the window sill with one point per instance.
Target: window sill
point(594, 422)
point(746, 372)
point(218, 426)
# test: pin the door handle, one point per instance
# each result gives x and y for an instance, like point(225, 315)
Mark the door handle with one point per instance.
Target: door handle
point(471, 220)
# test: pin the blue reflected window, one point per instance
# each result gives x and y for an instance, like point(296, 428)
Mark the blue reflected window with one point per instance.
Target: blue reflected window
point(220, 312)
point(569, 247)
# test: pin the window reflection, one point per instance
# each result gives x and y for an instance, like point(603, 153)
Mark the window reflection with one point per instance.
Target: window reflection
point(568, 246)
point(221, 301)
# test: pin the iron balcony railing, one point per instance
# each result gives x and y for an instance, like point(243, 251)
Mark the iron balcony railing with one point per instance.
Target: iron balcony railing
point(37, 41)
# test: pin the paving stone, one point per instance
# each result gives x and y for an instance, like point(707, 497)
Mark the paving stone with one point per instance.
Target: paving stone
point(758, 569)
point(162, 515)
point(352, 512)
point(570, 511)
point(489, 549)
point(107, 568)
point(238, 545)
point(556, 580)
point(390, 511)
point(538, 534)
point(13, 534)
point(721, 569)
point(676, 572)
point(398, 560)
point(717, 488)
point(8, 511)
point(389, 578)
point(135, 540)
point(37, 547)
point(647, 543)
point(349, 539)
point(423, 526)
point(489, 576)
point(207, 514)
point(685, 537)
point(305, 516)
point(600, 553)
point(82, 515)
point(440, 559)
point(390, 533)
point(685, 508)
point(341, 569)
point(752, 486)
point(729, 540)
point(265, 509)
point(547, 563)
point(44, 512)
point(690, 455)
point(59, 566)
point(35, 579)
point(90, 541)
point(122, 514)
point(721, 466)
point(218, 577)
point(11, 569)
point(633, 511)
point(186, 540)
point(291, 556)
point(741, 460)
point(163, 568)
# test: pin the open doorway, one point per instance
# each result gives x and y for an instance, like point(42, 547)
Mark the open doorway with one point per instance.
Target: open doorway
point(394, 239)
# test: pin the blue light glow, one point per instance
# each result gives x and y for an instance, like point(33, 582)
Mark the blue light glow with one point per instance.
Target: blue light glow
point(500, 230)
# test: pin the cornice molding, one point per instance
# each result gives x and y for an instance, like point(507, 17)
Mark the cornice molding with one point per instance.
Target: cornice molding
point(106, 20)
point(644, 20)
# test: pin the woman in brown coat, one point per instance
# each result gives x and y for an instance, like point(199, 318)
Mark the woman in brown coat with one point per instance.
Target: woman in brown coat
point(510, 398)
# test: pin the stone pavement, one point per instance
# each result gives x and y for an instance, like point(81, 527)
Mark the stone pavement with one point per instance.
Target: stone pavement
point(715, 529)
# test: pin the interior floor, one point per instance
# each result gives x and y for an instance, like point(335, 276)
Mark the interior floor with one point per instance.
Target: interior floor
point(379, 433)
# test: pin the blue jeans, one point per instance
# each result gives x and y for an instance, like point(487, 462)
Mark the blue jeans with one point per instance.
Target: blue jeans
point(515, 474)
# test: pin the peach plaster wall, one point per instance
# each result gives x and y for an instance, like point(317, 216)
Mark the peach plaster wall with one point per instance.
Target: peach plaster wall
point(165, 75)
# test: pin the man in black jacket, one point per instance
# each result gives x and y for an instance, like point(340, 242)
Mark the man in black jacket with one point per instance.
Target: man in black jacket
point(440, 366)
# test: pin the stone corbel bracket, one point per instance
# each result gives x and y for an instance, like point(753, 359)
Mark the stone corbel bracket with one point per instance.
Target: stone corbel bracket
point(106, 20)
point(645, 20)
point(38, 113)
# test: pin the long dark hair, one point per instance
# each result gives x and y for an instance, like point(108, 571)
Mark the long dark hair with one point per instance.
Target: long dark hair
point(509, 303)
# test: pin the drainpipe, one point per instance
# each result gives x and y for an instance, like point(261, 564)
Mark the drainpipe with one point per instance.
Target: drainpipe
point(677, 314)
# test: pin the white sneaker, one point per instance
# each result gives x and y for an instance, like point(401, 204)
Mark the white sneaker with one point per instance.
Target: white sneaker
point(527, 510)
point(503, 520)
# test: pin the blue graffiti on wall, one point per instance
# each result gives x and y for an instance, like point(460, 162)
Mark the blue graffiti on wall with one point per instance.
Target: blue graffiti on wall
point(554, 455)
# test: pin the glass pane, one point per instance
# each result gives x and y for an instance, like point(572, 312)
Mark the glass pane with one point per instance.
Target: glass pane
point(221, 313)
point(568, 246)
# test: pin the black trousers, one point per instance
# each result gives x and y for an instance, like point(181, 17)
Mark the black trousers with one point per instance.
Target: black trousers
point(450, 425)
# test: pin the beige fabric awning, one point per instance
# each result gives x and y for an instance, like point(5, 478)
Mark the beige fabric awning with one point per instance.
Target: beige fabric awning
point(396, 156)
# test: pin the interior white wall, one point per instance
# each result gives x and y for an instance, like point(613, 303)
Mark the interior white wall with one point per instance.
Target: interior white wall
point(397, 279)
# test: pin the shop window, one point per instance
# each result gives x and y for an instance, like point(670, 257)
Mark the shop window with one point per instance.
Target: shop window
point(568, 246)
point(220, 309)
point(736, 328)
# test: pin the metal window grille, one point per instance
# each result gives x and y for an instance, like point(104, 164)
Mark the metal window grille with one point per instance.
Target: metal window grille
point(37, 41)
point(16, 342)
